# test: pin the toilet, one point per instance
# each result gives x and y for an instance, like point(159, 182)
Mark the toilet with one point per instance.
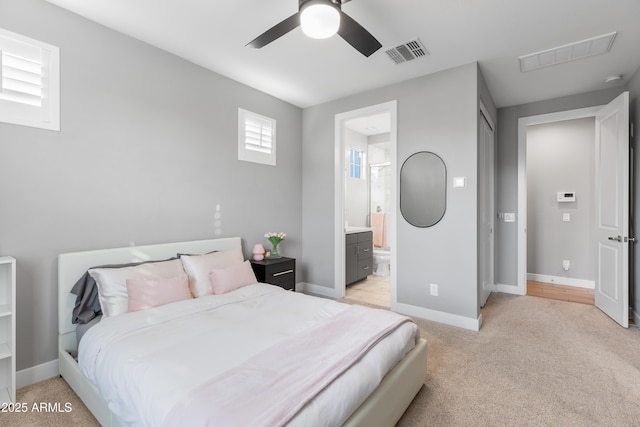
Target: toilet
point(381, 260)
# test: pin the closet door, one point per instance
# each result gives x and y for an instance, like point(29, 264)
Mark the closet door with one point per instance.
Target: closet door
point(486, 209)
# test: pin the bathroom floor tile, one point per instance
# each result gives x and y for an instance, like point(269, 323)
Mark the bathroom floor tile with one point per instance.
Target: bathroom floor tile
point(373, 290)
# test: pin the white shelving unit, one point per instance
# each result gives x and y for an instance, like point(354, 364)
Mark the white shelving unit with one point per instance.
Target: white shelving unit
point(7, 329)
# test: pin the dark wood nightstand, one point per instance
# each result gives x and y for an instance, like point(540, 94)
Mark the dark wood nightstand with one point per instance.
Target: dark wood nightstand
point(278, 271)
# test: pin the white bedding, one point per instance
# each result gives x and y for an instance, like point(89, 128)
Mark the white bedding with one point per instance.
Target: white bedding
point(144, 362)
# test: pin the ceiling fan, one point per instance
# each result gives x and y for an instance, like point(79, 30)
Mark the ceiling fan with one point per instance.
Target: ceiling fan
point(322, 19)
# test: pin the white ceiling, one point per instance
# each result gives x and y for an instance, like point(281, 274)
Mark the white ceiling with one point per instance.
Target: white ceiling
point(307, 72)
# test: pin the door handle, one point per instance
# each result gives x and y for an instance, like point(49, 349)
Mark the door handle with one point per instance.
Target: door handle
point(630, 239)
point(617, 238)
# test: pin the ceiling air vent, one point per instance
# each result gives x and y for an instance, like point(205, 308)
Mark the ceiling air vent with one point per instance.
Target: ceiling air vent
point(569, 52)
point(407, 51)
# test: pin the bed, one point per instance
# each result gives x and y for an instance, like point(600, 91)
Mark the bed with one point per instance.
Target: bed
point(381, 407)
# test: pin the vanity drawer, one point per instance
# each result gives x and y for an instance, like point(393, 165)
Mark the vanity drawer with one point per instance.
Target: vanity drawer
point(365, 250)
point(365, 236)
point(364, 267)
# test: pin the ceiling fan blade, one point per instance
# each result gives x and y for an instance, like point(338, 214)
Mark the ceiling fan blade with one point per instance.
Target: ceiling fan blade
point(276, 31)
point(354, 34)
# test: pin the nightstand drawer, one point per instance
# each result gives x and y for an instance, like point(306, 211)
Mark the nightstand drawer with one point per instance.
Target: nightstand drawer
point(290, 285)
point(279, 271)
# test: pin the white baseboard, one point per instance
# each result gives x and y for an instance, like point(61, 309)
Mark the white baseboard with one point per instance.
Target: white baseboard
point(407, 309)
point(317, 290)
point(564, 281)
point(37, 373)
point(440, 316)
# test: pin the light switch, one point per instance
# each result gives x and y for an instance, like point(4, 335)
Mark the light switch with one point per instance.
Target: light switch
point(509, 217)
point(459, 181)
point(566, 217)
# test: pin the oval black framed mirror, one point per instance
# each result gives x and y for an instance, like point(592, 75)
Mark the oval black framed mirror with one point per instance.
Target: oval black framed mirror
point(423, 189)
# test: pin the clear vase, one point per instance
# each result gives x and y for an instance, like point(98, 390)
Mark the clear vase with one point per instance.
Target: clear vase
point(274, 251)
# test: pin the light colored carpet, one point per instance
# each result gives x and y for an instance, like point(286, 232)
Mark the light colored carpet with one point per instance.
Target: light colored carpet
point(55, 405)
point(535, 362)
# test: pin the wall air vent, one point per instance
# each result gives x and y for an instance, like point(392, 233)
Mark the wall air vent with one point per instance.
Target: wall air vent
point(569, 52)
point(407, 51)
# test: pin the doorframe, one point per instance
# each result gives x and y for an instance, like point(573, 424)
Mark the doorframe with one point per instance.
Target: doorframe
point(390, 107)
point(523, 123)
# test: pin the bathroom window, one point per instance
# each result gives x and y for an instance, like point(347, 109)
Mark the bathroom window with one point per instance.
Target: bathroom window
point(356, 158)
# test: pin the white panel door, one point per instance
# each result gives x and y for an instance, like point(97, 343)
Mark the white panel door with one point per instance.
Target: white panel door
point(612, 209)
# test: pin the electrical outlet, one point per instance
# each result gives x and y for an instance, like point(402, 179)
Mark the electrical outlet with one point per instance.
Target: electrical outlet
point(433, 289)
point(566, 264)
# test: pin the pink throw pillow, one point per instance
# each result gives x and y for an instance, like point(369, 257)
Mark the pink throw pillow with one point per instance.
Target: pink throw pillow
point(231, 278)
point(152, 292)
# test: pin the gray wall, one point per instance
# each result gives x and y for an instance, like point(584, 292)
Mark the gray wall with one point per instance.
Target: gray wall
point(148, 148)
point(634, 95)
point(507, 170)
point(561, 157)
point(436, 113)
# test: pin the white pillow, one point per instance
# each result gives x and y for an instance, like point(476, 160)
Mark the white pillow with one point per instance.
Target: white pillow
point(198, 268)
point(112, 282)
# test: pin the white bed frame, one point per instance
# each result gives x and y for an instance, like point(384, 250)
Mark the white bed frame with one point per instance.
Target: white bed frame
point(383, 407)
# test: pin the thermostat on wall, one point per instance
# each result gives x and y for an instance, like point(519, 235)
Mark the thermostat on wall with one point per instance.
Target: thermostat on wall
point(566, 196)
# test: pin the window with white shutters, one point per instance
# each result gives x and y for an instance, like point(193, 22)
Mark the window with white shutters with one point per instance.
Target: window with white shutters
point(256, 138)
point(29, 82)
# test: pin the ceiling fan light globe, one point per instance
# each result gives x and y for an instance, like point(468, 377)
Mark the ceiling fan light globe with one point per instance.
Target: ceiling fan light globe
point(319, 21)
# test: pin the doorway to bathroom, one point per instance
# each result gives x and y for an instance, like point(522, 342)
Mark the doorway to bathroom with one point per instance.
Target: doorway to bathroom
point(366, 204)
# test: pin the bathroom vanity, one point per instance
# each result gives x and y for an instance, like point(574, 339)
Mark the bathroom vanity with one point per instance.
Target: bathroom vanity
point(358, 253)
